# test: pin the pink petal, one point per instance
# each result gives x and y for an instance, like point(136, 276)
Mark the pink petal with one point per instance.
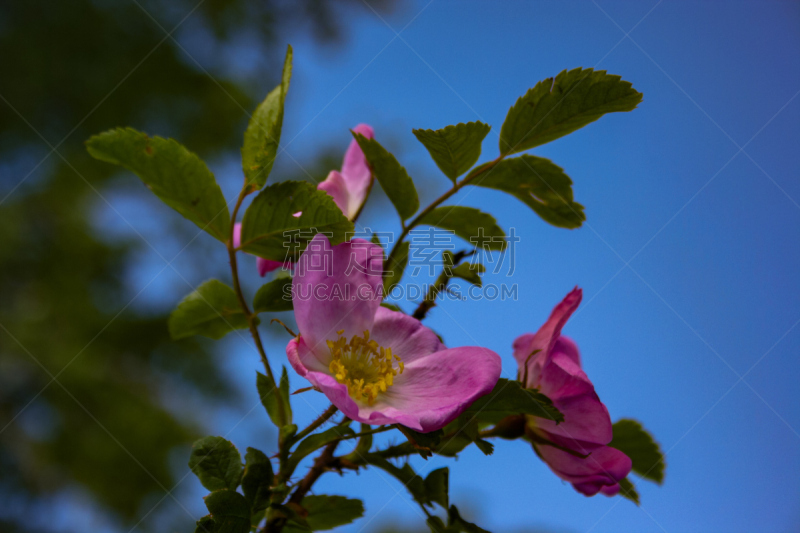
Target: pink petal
point(586, 420)
point(268, 265)
point(435, 389)
point(604, 468)
point(544, 339)
point(304, 360)
point(336, 288)
point(405, 335)
point(335, 186)
point(356, 172)
point(237, 234)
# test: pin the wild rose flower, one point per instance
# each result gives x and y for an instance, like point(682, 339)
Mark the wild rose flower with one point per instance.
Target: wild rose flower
point(349, 187)
point(551, 363)
point(376, 365)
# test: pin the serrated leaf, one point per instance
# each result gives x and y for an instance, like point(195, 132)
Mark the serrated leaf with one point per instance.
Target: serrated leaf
point(229, 510)
point(263, 135)
point(269, 398)
point(428, 440)
point(437, 486)
point(405, 474)
point(637, 443)
point(328, 512)
point(474, 226)
point(540, 184)
point(628, 491)
point(470, 272)
point(510, 398)
point(486, 447)
point(554, 108)
point(396, 267)
point(274, 296)
point(256, 482)
point(177, 176)
point(454, 149)
point(393, 178)
point(216, 462)
point(315, 442)
point(212, 310)
point(270, 229)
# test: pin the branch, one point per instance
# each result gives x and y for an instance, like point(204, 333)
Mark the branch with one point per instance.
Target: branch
point(457, 187)
point(441, 284)
point(251, 317)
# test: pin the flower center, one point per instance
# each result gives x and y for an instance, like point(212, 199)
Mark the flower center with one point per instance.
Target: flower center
point(365, 367)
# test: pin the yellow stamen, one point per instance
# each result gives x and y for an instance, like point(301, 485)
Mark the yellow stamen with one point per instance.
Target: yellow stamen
point(363, 365)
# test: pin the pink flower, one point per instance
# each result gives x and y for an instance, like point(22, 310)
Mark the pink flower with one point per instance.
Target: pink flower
point(377, 366)
point(349, 187)
point(551, 363)
point(263, 265)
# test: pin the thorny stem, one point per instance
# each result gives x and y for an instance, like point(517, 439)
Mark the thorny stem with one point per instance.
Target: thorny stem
point(322, 463)
point(456, 187)
point(251, 317)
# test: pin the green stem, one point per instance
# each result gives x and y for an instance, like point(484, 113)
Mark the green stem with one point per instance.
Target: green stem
point(251, 317)
point(456, 187)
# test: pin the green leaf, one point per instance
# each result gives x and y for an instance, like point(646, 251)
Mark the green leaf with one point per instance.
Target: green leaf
point(274, 296)
point(540, 184)
point(270, 229)
point(405, 474)
point(206, 525)
point(469, 272)
point(437, 485)
point(315, 442)
point(637, 443)
point(459, 524)
point(436, 525)
point(256, 482)
point(230, 511)
point(477, 228)
point(177, 176)
point(396, 267)
point(424, 442)
point(263, 135)
point(393, 178)
point(328, 512)
point(486, 447)
point(554, 108)
point(216, 462)
point(454, 149)
point(628, 491)
point(212, 311)
point(509, 398)
point(269, 398)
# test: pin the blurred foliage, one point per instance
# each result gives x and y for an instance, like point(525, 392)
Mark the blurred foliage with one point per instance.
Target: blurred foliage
point(72, 69)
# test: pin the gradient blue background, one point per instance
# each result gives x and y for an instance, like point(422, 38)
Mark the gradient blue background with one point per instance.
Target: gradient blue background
point(688, 259)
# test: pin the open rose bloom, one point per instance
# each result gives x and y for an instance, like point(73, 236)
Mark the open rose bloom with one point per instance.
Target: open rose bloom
point(376, 365)
point(576, 448)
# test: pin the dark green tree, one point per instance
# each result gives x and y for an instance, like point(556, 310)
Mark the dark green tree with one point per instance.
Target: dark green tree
point(83, 374)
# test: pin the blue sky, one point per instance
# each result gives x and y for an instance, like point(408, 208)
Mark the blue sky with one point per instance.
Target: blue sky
point(688, 258)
